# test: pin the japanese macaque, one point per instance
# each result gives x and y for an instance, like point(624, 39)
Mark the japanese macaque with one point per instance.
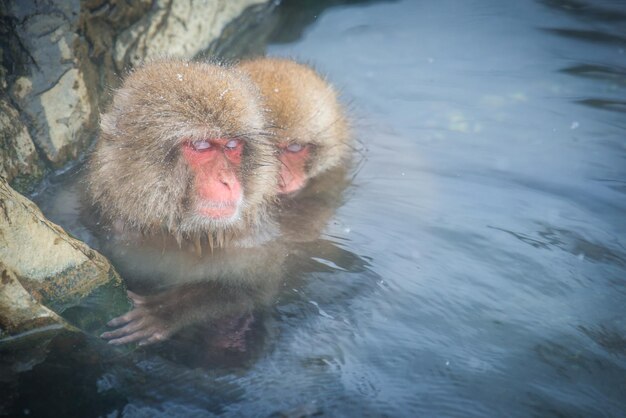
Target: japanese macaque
point(183, 154)
point(183, 163)
point(308, 124)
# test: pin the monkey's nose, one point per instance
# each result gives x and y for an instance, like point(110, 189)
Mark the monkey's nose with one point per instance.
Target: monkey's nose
point(282, 181)
point(226, 178)
point(290, 184)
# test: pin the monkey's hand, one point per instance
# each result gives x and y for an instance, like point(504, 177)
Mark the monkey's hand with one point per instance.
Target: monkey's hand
point(148, 322)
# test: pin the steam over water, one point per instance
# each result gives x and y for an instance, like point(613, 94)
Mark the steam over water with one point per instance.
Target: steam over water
point(476, 265)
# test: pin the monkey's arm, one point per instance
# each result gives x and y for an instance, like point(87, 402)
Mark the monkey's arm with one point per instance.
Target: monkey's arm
point(157, 317)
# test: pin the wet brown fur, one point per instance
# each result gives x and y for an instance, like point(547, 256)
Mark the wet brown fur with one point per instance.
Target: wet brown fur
point(137, 177)
point(302, 108)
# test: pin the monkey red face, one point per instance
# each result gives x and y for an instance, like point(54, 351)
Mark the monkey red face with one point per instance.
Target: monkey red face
point(215, 164)
point(293, 158)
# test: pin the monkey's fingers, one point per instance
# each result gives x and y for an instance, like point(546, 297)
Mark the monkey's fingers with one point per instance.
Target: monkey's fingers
point(138, 336)
point(111, 335)
point(156, 337)
point(133, 326)
point(126, 318)
point(133, 331)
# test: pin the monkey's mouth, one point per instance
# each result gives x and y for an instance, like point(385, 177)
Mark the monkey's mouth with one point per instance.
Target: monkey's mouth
point(218, 210)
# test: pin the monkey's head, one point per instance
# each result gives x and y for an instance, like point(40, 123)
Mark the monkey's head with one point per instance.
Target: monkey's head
point(183, 150)
point(307, 122)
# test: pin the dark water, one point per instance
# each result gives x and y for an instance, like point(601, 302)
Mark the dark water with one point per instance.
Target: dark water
point(477, 266)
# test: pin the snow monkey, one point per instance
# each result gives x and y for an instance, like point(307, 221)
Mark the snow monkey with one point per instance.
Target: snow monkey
point(183, 152)
point(307, 122)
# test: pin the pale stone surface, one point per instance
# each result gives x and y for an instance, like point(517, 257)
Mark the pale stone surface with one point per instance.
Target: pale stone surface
point(52, 94)
point(177, 28)
point(66, 106)
point(18, 156)
point(50, 264)
point(22, 87)
point(19, 311)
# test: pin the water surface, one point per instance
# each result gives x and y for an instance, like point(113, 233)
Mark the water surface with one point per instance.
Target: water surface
point(477, 265)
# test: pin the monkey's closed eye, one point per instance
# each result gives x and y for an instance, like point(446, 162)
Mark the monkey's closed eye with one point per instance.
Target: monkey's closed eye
point(232, 144)
point(294, 148)
point(201, 145)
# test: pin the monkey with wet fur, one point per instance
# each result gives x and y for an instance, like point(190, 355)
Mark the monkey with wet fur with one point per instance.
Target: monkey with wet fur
point(183, 161)
point(312, 135)
point(183, 153)
point(153, 169)
point(308, 124)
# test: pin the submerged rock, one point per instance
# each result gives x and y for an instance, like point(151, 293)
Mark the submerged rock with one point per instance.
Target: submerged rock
point(38, 257)
point(19, 311)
